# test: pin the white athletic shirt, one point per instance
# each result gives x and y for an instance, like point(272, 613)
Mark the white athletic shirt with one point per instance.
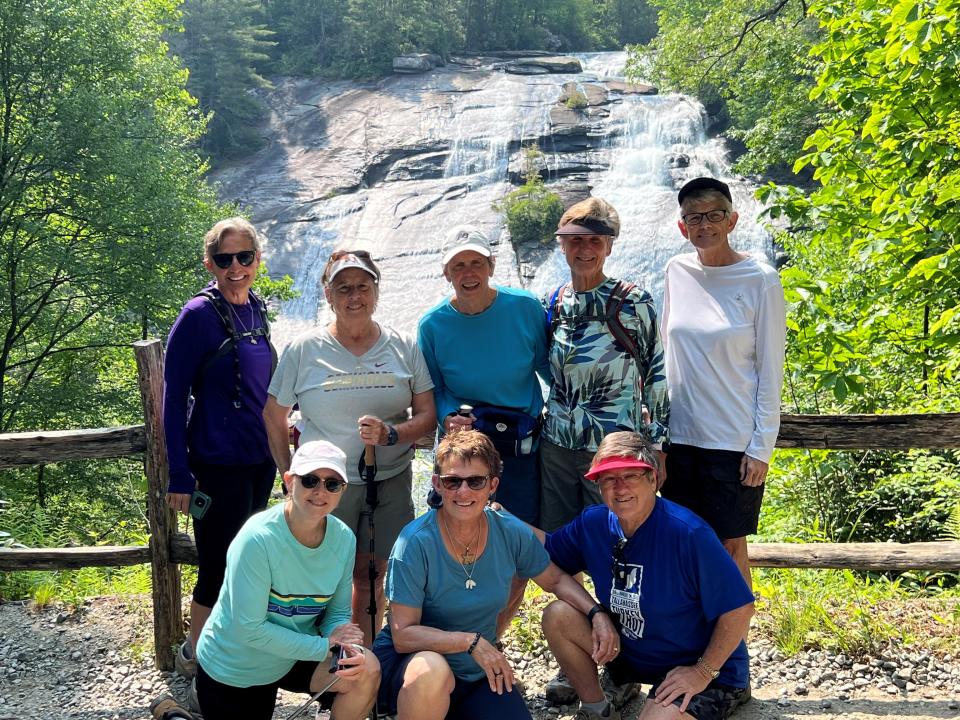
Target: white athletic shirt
point(724, 331)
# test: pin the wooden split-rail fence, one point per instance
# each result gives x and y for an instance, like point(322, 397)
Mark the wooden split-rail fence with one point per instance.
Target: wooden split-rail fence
point(168, 549)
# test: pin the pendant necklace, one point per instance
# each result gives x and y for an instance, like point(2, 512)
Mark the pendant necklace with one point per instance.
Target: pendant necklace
point(246, 330)
point(463, 560)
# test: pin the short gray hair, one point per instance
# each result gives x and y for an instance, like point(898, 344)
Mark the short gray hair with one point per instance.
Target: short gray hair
point(238, 225)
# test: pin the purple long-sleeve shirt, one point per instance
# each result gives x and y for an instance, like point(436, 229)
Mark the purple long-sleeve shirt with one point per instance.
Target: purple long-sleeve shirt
point(215, 432)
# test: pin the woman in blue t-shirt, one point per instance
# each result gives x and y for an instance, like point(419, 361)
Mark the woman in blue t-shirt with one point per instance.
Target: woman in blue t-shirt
point(448, 577)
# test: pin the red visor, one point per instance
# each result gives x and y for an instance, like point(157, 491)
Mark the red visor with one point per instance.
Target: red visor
point(617, 463)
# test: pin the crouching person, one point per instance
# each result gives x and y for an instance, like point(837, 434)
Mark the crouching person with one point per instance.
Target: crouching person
point(448, 577)
point(285, 604)
point(680, 605)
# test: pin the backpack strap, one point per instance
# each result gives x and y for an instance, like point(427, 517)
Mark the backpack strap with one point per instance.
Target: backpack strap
point(612, 318)
point(553, 311)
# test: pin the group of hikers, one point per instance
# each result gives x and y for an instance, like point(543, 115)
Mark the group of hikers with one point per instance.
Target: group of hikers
point(643, 467)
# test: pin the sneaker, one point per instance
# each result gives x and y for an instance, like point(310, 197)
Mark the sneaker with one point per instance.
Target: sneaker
point(193, 703)
point(612, 714)
point(618, 695)
point(747, 694)
point(559, 691)
point(185, 661)
point(166, 708)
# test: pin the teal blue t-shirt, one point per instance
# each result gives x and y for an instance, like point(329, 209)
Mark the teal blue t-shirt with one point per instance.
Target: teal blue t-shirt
point(421, 573)
point(279, 601)
point(492, 357)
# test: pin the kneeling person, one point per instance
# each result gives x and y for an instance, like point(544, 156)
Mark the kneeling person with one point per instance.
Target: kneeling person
point(448, 577)
point(678, 600)
point(285, 603)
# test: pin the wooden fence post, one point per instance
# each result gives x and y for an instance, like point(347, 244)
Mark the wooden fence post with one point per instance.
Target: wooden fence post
point(167, 617)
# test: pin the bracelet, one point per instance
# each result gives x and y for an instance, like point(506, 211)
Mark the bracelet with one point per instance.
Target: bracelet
point(706, 670)
point(598, 608)
point(473, 645)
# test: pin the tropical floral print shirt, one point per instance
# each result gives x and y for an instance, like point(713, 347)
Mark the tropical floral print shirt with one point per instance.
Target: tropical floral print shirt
point(597, 386)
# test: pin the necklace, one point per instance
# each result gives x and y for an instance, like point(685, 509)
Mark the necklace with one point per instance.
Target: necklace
point(246, 330)
point(470, 584)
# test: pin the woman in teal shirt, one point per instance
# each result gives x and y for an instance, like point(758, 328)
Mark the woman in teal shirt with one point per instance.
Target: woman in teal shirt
point(285, 604)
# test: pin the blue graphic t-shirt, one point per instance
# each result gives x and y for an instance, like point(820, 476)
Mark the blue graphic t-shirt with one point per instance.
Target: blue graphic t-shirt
point(666, 585)
point(279, 601)
point(421, 573)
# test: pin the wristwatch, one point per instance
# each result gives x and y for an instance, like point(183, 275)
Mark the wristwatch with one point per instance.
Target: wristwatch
point(392, 435)
point(598, 608)
point(707, 669)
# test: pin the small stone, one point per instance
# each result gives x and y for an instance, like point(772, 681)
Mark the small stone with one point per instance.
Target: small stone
point(910, 687)
point(892, 689)
point(860, 682)
point(953, 705)
point(826, 704)
point(800, 690)
point(783, 702)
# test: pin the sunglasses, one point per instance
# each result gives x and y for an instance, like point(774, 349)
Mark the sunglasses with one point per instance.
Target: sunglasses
point(225, 260)
point(474, 482)
point(330, 484)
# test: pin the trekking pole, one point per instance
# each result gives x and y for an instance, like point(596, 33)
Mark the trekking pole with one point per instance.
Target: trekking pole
point(316, 696)
point(368, 471)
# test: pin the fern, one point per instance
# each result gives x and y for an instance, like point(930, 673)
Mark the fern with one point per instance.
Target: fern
point(952, 525)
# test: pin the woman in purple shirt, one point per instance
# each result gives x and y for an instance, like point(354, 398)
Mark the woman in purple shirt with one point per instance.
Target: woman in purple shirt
point(218, 366)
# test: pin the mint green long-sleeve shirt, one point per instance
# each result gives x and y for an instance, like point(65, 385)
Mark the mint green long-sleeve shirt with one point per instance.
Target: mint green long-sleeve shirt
point(279, 601)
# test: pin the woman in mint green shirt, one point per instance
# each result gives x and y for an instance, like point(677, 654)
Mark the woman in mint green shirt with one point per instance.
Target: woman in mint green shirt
point(285, 604)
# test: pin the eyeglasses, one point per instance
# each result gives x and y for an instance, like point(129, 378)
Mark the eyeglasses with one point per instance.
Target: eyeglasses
point(225, 260)
point(631, 479)
point(713, 216)
point(330, 484)
point(360, 289)
point(474, 482)
point(619, 561)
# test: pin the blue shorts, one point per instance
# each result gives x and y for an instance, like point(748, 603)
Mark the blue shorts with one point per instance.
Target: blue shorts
point(470, 699)
point(519, 489)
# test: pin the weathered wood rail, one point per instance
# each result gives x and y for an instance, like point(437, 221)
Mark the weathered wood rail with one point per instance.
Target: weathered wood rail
point(168, 549)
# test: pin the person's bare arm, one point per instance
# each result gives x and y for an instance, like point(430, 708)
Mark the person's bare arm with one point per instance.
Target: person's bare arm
point(278, 432)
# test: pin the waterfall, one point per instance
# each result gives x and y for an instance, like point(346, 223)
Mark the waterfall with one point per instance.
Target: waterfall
point(388, 167)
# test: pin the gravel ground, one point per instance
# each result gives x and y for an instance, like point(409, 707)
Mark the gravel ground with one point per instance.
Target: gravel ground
point(96, 664)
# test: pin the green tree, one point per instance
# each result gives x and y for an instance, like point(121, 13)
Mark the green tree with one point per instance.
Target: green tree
point(747, 62)
point(874, 277)
point(223, 42)
point(532, 211)
point(102, 201)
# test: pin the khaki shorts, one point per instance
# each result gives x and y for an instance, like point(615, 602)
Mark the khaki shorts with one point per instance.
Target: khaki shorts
point(394, 511)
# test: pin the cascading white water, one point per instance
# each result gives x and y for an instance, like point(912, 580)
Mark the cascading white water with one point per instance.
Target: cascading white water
point(401, 222)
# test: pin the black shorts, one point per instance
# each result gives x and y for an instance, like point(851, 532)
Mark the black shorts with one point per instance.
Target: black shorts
point(716, 702)
point(219, 701)
point(708, 483)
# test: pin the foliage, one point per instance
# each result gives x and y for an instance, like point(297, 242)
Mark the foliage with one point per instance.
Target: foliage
point(223, 43)
point(860, 496)
point(532, 211)
point(576, 100)
point(100, 196)
point(884, 222)
point(747, 61)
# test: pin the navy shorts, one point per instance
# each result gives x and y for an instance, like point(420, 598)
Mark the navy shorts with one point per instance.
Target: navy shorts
point(716, 702)
point(708, 483)
point(470, 699)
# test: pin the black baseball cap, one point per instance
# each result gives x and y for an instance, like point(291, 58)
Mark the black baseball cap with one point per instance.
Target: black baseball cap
point(704, 183)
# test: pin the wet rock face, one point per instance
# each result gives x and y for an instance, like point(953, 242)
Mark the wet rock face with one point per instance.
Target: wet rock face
point(542, 65)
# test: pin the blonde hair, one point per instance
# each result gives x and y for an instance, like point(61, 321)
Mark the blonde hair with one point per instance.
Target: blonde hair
point(593, 208)
point(465, 445)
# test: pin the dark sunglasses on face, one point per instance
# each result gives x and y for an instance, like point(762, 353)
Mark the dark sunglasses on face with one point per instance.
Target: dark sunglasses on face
point(244, 257)
point(474, 482)
point(330, 484)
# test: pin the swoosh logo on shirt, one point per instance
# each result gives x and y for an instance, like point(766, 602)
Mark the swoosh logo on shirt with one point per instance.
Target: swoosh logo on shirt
point(379, 364)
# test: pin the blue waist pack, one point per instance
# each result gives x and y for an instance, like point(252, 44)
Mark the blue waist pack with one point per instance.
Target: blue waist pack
point(513, 432)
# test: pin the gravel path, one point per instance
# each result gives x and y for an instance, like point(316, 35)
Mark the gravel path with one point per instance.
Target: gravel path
point(96, 664)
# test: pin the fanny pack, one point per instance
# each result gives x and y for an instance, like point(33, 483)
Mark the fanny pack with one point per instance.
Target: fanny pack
point(512, 432)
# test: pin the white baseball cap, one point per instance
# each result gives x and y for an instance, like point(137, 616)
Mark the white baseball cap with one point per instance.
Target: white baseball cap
point(462, 238)
point(319, 454)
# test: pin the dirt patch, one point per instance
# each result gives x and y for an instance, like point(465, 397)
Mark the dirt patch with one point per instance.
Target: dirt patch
point(97, 664)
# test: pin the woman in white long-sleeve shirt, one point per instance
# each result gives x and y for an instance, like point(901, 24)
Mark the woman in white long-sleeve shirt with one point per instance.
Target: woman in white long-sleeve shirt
point(724, 330)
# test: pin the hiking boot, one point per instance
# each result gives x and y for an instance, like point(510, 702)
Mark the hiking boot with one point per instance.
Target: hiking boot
point(193, 703)
point(185, 661)
point(618, 695)
point(747, 694)
point(612, 714)
point(166, 708)
point(559, 691)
